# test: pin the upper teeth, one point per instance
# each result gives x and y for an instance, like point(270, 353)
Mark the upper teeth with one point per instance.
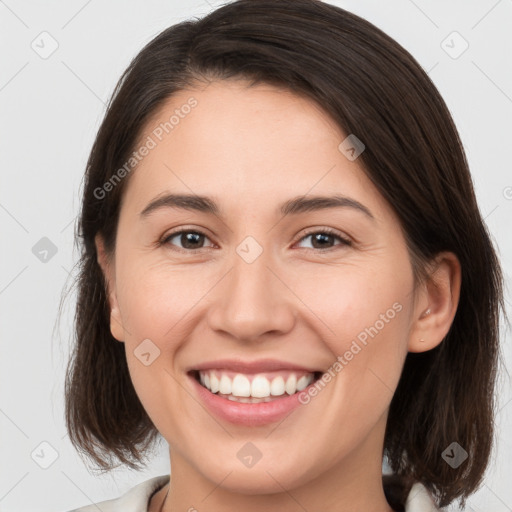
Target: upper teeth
point(238, 384)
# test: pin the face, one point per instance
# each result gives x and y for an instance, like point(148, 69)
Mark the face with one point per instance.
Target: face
point(270, 286)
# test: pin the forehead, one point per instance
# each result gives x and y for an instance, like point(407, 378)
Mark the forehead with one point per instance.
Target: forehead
point(254, 144)
point(227, 116)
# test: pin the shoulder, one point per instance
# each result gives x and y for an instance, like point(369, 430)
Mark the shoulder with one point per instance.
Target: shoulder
point(420, 500)
point(406, 495)
point(134, 500)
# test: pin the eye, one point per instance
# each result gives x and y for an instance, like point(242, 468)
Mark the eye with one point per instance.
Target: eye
point(190, 239)
point(321, 239)
point(193, 240)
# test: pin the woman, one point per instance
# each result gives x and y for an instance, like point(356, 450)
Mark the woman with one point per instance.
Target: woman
point(284, 273)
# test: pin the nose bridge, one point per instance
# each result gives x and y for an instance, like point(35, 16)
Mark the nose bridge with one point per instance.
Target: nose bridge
point(252, 301)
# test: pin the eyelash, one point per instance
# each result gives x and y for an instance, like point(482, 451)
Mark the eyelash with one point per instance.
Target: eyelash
point(323, 231)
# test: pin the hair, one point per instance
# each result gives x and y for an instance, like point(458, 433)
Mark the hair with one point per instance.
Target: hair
point(373, 88)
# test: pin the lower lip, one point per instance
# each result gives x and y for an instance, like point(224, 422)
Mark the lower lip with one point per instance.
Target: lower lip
point(249, 415)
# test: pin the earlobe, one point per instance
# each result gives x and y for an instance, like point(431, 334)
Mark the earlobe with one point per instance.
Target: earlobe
point(116, 325)
point(436, 308)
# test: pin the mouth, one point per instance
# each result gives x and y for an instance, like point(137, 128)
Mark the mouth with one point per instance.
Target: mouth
point(253, 388)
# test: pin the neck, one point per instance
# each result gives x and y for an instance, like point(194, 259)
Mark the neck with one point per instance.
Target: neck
point(353, 482)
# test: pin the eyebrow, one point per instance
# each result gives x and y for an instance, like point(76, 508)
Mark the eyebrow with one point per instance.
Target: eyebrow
point(293, 206)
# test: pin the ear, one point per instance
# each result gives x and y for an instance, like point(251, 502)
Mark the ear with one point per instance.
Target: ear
point(436, 304)
point(107, 267)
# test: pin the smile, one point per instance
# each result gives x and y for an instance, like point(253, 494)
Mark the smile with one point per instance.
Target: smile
point(255, 388)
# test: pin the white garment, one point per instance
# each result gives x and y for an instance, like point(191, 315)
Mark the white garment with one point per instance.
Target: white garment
point(137, 498)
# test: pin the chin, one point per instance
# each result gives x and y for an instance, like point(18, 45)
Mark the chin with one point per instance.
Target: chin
point(260, 483)
point(268, 477)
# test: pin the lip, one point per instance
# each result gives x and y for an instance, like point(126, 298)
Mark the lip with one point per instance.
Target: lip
point(249, 367)
point(248, 415)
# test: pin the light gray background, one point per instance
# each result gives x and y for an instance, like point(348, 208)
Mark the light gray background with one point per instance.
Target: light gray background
point(50, 111)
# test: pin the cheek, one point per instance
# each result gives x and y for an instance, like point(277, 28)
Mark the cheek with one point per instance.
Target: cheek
point(157, 308)
point(351, 298)
point(364, 315)
point(157, 299)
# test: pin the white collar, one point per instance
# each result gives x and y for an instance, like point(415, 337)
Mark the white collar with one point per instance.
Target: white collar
point(420, 500)
point(136, 499)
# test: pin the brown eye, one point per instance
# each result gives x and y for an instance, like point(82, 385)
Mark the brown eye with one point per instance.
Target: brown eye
point(189, 240)
point(325, 239)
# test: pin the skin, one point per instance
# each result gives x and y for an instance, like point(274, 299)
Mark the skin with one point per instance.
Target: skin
point(250, 149)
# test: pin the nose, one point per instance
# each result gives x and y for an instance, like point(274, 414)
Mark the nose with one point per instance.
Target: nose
point(252, 300)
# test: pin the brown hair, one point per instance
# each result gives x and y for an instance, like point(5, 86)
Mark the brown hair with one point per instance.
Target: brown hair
point(375, 89)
